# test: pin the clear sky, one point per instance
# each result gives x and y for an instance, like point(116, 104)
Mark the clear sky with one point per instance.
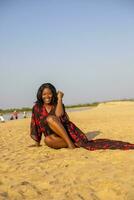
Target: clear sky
point(85, 48)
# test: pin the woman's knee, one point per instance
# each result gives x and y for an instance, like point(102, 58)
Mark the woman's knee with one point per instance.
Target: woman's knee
point(51, 118)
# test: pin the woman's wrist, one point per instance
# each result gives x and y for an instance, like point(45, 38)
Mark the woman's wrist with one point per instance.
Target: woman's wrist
point(60, 99)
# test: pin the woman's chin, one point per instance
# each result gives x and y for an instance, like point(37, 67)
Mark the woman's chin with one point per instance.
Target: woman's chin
point(47, 102)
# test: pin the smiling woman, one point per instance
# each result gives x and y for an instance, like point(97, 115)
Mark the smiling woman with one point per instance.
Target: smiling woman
point(50, 118)
point(47, 115)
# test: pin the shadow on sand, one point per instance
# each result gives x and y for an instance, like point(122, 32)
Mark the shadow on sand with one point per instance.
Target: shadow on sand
point(90, 135)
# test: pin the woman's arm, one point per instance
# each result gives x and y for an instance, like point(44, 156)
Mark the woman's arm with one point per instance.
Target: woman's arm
point(59, 111)
point(34, 130)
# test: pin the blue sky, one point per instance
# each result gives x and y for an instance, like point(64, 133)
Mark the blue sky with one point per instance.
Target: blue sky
point(85, 48)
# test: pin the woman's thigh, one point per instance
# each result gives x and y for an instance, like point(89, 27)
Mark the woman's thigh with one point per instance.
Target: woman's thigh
point(55, 142)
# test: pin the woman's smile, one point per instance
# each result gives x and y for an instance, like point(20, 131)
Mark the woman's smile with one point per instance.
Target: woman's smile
point(47, 95)
point(47, 100)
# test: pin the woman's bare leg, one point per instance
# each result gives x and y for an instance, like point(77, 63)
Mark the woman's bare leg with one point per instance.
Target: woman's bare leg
point(58, 128)
point(55, 142)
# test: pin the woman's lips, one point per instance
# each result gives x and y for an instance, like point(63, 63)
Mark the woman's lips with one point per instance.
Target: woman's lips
point(47, 99)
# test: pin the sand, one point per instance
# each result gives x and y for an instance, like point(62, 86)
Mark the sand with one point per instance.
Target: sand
point(46, 174)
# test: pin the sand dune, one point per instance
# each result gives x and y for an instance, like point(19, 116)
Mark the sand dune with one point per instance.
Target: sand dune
point(46, 174)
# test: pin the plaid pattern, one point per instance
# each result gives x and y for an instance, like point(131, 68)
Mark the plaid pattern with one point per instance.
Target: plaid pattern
point(39, 126)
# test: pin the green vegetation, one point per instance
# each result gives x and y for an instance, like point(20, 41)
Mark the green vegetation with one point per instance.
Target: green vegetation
point(4, 111)
point(117, 100)
point(83, 105)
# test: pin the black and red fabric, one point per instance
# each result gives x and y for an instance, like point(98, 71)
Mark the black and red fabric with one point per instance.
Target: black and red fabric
point(40, 126)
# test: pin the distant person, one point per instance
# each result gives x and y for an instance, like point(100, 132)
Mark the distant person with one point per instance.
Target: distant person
point(15, 114)
point(50, 118)
point(2, 118)
point(12, 117)
point(24, 114)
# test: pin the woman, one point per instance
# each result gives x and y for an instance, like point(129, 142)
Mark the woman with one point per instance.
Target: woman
point(49, 117)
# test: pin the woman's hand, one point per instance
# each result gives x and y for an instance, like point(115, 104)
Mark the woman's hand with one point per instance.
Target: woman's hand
point(37, 144)
point(60, 95)
point(59, 111)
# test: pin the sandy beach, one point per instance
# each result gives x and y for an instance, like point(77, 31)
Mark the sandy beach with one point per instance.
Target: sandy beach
point(42, 173)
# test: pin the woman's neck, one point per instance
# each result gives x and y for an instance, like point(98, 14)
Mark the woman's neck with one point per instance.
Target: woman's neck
point(48, 105)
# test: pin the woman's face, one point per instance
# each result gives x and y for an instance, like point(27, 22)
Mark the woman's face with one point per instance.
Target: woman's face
point(47, 96)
